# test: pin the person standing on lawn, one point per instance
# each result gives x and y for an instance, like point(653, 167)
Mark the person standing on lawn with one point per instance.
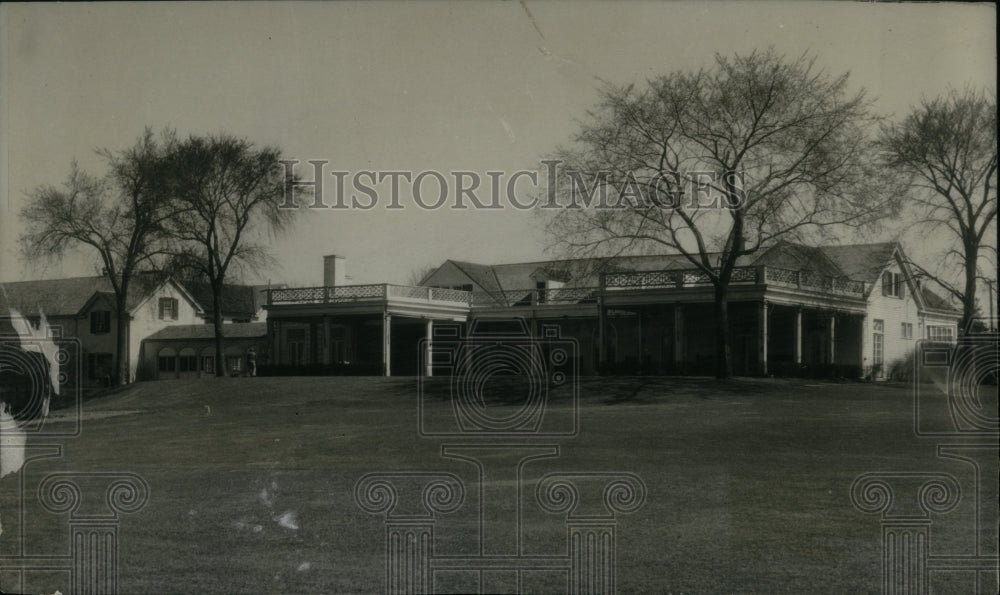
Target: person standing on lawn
point(252, 362)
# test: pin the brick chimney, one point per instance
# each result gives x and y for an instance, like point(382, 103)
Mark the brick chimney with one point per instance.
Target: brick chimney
point(334, 271)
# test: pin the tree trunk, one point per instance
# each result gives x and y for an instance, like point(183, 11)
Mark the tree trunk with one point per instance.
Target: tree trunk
point(723, 354)
point(969, 299)
point(122, 374)
point(220, 362)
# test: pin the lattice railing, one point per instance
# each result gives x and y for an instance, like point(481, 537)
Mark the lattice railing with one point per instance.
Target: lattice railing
point(451, 295)
point(351, 293)
point(849, 286)
point(814, 281)
point(644, 279)
point(535, 297)
point(741, 275)
point(675, 278)
point(572, 295)
point(485, 299)
point(408, 291)
point(297, 295)
point(782, 276)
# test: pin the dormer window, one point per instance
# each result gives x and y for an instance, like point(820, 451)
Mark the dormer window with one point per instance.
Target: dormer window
point(893, 285)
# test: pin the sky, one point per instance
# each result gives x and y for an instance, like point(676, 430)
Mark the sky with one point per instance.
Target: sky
point(382, 86)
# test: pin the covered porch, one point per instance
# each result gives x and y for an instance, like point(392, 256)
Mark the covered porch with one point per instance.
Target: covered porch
point(665, 322)
point(356, 329)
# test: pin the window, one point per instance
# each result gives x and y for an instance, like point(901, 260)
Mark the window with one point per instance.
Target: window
point(166, 363)
point(878, 352)
point(295, 340)
point(893, 285)
point(100, 322)
point(907, 330)
point(168, 308)
point(187, 363)
point(945, 334)
point(208, 364)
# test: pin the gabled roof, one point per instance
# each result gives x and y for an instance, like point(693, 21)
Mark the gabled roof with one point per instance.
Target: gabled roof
point(69, 297)
point(54, 297)
point(797, 257)
point(480, 274)
point(578, 272)
point(861, 262)
point(936, 302)
point(236, 330)
point(238, 301)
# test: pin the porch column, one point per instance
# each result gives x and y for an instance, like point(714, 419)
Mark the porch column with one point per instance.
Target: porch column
point(386, 344)
point(274, 332)
point(833, 336)
point(350, 341)
point(328, 355)
point(862, 364)
point(679, 336)
point(798, 336)
point(762, 353)
point(313, 342)
point(639, 332)
point(428, 364)
point(602, 349)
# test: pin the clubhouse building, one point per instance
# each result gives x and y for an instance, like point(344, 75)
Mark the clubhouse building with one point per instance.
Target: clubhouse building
point(846, 311)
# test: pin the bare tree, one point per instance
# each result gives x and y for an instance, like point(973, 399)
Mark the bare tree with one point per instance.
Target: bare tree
point(120, 216)
point(228, 192)
point(716, 165)
point(417, 275)
point(946, 151)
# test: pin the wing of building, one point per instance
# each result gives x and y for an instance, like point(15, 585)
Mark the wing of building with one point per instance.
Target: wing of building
point(83, 309)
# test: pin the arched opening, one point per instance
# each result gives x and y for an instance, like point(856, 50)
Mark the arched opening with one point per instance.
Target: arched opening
point(207, 361)
point(166, 363)
point(234, 357)
point(187, 363)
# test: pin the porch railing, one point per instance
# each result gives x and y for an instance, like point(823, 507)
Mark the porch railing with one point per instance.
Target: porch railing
point(354, 293)
point(535, 297)
point(678, 278)
point(814, 281)
point(746, 275)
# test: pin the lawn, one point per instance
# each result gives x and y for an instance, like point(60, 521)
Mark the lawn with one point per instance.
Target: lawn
point(252, 482)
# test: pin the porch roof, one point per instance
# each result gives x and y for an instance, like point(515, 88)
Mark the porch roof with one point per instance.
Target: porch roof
point(236, 330)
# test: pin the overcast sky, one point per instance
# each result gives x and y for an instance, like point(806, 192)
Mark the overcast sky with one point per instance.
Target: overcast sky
point(420, 86)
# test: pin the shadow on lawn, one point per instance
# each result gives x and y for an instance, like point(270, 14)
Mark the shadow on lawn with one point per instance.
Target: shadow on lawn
point(650, 389)
point(609, 390)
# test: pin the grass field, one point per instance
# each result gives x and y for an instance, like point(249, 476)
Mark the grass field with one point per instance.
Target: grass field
point(251, 483)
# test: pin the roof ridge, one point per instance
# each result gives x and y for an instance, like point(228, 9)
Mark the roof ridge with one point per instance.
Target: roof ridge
point(52, 280)
point(588, 258)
